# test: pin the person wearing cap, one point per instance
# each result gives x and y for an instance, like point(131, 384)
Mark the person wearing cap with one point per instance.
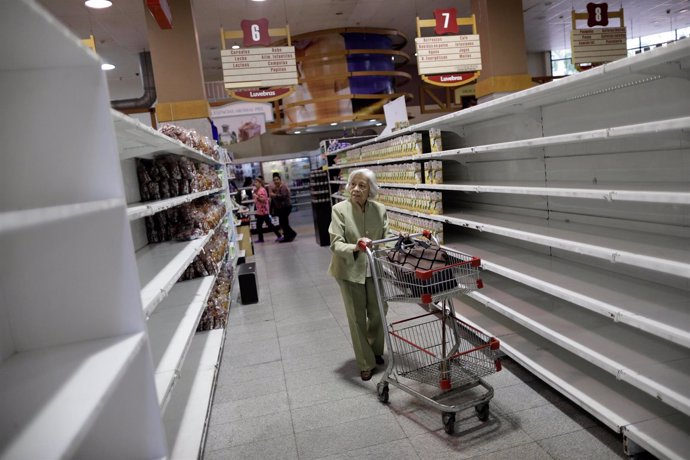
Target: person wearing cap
point(355, 221)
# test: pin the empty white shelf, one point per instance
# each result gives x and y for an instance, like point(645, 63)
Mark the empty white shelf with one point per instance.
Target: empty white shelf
point(135, 139)
point(139, 210)
point(659, 368)
point(665, 254)
point(51, 397)
point(607, 194)
point(654, 308)
point(171, 328)
point(160, 266)
point(187, 413)
point(17, 220)
point(650, 423)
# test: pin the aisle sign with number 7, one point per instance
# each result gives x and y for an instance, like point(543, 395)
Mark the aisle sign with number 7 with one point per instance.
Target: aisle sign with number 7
point(446, 21)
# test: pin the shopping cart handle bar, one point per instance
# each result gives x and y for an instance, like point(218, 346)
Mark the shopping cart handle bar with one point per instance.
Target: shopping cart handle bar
point(427, 274)
point(425, 233)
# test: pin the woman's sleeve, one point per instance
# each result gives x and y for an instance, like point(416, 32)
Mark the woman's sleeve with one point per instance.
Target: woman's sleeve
point(339, 244)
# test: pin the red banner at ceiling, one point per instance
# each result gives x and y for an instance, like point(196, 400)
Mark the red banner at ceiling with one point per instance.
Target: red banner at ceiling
point(161, 12)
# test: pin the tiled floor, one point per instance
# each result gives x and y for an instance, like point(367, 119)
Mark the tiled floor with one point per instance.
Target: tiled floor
point(288, 386)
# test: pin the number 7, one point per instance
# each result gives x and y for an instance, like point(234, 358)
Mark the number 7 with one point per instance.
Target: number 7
point(446, 17)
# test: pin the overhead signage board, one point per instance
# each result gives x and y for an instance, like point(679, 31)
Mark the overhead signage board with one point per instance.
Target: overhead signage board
point(449, 59)
point(258, 73)
point(439, 55)
point(598, 45)
point(259, 67)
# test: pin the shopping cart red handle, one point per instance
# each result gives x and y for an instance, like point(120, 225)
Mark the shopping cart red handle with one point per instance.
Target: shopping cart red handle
point(427, 274)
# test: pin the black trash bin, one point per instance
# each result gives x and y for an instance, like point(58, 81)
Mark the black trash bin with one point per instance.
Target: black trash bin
point(246, 276)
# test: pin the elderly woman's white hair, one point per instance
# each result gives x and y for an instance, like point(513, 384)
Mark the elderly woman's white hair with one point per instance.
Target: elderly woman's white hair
point(371, 177)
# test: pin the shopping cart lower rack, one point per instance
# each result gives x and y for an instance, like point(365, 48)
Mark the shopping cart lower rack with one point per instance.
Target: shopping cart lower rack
point(436, 349)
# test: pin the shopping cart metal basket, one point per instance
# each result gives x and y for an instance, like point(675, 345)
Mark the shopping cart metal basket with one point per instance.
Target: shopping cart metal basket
point(437, 348)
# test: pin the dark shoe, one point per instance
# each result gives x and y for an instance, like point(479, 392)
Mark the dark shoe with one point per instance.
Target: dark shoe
point(279, 239)
point(366, 375)
point(379, 360)
point(259, 241)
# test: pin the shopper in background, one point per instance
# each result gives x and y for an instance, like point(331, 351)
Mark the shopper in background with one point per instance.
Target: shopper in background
point(281, 205)
point(261, 205)
point(354, 221)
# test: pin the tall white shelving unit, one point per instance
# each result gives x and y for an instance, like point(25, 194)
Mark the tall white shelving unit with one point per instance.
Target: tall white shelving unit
point(576, 195)
point(100, 354)
point(76, 377)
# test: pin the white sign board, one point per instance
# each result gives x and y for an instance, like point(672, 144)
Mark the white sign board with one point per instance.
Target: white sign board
point(448, 54)
point(598, 45)
point(395, 112)
point(259, 67)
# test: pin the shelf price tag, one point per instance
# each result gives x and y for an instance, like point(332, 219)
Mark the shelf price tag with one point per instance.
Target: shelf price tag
point(448, 59)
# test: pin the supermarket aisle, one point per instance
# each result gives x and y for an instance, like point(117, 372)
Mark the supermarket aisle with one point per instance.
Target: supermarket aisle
point(288, 386)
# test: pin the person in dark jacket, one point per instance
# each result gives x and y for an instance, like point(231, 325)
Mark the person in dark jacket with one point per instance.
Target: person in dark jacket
point(281, 206)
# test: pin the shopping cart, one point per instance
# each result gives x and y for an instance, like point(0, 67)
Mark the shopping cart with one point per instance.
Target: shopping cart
point(436, 348)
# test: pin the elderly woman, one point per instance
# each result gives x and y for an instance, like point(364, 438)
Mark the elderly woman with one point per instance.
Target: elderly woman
point(354, 221)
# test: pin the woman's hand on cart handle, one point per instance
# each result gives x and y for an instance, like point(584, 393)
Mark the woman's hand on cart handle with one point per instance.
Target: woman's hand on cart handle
point(363, 243)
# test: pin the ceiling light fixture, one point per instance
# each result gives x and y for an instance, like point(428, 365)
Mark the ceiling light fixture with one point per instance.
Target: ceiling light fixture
point(335, 123)
point(235, 47)
point(298, 132)
point(98, 4)
point(378, 124)
point(106, 66)
point(372, 120)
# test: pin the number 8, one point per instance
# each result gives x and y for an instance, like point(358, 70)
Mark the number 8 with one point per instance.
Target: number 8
point(597, 14)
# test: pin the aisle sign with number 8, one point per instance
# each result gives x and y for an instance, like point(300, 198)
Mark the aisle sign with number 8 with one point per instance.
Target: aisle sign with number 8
point(597, 14)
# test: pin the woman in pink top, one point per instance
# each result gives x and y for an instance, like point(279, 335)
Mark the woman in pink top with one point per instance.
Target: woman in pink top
point(261, 202)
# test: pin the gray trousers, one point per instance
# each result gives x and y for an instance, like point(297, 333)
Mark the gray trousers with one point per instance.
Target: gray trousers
point(364, 318)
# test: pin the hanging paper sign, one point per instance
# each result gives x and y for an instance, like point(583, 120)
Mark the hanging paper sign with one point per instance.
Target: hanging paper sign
point(259, 67)
point(454, 53)
point(253, 73)
point(261, 95)
point(448, 59)
point(598, 45)
point(601, 44)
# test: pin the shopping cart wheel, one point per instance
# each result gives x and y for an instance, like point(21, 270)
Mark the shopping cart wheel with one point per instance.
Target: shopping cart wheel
point(382, 389)
point(482, 411)
point(448, 422)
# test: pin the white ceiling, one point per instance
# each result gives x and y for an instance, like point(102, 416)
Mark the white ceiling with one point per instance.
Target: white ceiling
point(120, 31)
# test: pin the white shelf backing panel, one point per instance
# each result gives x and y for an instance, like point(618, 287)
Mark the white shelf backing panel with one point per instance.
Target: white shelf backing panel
point(43, 146)
point(620, 406)
point(51, 398)
point(658, 368)
point(139, 210)
point(656, 309)
point(54, 271)
point(663, 254)
point(171, 328)
point(187, 413)
point(161, 265)
point(135, 139)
